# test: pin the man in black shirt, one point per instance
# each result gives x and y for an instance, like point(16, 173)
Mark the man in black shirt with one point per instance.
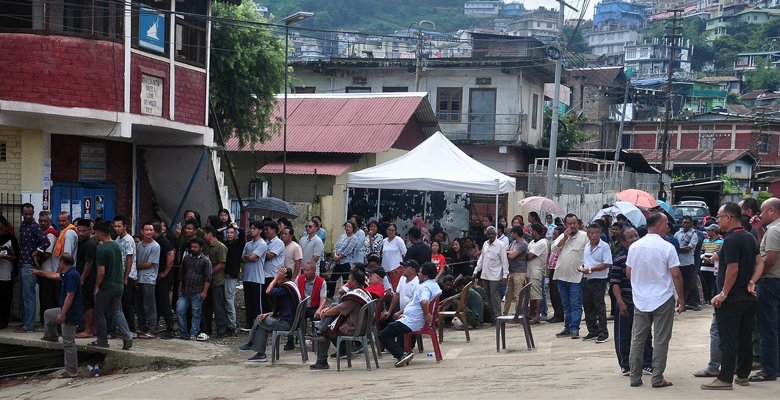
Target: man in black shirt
point(85, 258)
point(419, 251)
point(235, 245)
point(735, 306)
point(164, 281)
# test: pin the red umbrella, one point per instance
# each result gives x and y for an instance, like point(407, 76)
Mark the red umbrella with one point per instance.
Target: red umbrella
point(638, 198)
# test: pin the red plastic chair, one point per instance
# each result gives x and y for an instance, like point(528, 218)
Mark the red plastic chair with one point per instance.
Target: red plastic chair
point(429, 329)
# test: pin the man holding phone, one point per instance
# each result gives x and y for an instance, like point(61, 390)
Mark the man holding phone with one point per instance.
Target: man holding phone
point(571, 246)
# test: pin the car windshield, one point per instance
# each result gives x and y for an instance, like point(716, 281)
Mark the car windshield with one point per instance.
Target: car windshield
point(696, 212)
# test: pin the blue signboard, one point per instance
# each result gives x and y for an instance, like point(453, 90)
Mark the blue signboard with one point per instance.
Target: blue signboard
point(151, 29)
point(92, 162)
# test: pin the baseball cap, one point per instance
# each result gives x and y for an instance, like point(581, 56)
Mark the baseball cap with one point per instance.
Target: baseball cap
point(411, 263)
point(713, 227)
point(378, 271)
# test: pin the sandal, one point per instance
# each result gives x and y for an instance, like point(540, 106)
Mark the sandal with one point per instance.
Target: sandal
point(110, 336)
point(96, 344)
point(762, 377)
point(66, 375)
point(146, 336)
point(705, 373)
point(22, 329)
point(663, 384)
point(84, 335)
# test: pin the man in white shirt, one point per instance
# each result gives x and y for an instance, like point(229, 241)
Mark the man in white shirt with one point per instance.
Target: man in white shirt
point(538, 251)
point(596, 262)
point(653, 268)
point(253, 278)
point(688, 241)
point(571, 245)
point(407, 285)
point(494, 265)
point(311, 245)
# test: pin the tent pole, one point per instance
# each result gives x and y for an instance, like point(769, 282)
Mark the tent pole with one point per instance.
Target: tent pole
point(425, 204)
point(498, 191)
point(378, 202)
point(346, 205)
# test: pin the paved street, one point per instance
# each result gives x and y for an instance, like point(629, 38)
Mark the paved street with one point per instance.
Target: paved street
point(557, 368)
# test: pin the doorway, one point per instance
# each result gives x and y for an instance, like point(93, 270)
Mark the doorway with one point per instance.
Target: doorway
point(482, 114)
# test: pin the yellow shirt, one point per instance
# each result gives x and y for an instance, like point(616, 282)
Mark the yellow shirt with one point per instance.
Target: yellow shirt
point(570, 257)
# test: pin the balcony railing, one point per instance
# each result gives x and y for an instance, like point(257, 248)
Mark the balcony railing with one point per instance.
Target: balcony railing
point(486, 127)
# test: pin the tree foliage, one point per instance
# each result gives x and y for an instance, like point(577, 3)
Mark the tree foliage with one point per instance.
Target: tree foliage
point(762, 77)
point(247, 70)
point(570, 136)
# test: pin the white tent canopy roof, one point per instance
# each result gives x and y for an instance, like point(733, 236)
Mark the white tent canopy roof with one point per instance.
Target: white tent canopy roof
point(455, 171)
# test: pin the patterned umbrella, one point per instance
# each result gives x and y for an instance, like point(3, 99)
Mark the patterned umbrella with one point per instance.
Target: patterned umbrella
point(638, 198)
point(542, 204)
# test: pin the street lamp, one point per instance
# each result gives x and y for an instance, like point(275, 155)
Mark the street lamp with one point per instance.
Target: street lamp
point(288, 20)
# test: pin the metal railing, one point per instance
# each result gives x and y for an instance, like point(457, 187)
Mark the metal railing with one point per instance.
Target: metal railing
point(587, 182)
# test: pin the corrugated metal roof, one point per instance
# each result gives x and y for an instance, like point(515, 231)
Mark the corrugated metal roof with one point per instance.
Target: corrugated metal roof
point(722, 157)
point(347, 123)
point(299, 164)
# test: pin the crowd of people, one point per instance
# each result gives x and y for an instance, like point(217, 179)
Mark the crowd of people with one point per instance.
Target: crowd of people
point(97, 280)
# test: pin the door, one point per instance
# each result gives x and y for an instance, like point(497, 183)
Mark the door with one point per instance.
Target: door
point(482, 113)
point(84, 200)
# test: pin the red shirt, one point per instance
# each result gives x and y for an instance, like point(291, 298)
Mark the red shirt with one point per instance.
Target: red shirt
point(439, 261)
point(376, 291)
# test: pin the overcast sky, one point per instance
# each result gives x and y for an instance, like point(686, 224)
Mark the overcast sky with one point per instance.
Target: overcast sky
point(534, 4)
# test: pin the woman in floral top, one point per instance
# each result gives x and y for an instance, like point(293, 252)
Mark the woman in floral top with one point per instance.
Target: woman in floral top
point(373, 241)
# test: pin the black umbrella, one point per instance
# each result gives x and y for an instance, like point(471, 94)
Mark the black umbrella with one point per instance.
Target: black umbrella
point(271, 207)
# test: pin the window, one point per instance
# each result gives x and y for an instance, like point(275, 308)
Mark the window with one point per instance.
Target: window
point(549, 25)
point(305, 89)
point(538, 24)
point(755, 18)
point(95, 18)
point(737, 169)
point(357, 89)
point(628, 141)
point(706, 142)
point(191, 31)
point(764, 143)
point(394, 89)
point(534, 111)
point(450, 100)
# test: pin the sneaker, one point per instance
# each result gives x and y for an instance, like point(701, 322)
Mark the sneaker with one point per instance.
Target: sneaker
point(590, 336)
point(575, 334)
point(343, 356)
point(405, 359)
point(602, 339)
point(563, 333)
point(697, 308)
point(357, 349)
point(258, 358)
point(741, 381)
point(289, 346)
point(127, 344)
point(717, 385)
point(246, 329)
point(167, 336)
point(625, 371)
point(647, 370)
point(245, 347)
point(322, 365)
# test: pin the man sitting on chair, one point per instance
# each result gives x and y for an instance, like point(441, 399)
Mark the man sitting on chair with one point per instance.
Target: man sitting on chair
point(413, 317)
point(313, 286)
point(376, 286)
point(286, 299)
point(342, 319)
point(473, 308)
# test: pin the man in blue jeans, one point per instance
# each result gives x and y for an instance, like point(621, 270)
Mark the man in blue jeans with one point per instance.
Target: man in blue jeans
point(768, 290)
point(413, 317)
point(571, 245)
point(33, 243)
point(194, 281)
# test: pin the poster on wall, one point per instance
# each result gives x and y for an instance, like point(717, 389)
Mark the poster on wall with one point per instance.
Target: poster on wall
point(65, 206)
point(151, 95)
point(151, 29)
point(88, 207)
point(75, 209)
point(92, 162)
point(99, 202)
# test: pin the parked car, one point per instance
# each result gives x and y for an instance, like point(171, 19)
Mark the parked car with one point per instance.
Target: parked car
point(693, 201)
point(696, 212)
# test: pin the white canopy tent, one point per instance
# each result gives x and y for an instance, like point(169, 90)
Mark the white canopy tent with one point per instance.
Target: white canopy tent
point(455, 172)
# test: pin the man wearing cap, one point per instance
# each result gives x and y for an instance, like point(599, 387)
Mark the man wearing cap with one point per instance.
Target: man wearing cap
point(712, 243)
point(376, 285)
point(407, 285)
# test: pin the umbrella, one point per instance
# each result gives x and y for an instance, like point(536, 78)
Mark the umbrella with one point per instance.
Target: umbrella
point(665, 206)
point(621, 207)
point(542, 204)
point(271, 207)
point(638, 198)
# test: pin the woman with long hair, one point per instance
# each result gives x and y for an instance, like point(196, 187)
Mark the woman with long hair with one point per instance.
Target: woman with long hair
point(373, 241)
point(460, 259)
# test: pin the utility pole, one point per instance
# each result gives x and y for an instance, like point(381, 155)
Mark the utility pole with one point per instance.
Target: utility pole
point(619, 140)
point(665, 141)
point(420, 38)
point(552, 164)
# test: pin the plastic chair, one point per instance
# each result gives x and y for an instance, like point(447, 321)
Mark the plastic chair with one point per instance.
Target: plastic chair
point(460, 313)
point(377, 321)
point(520, 317)
point(297, 328)
point(365, 320)
point(428, 329)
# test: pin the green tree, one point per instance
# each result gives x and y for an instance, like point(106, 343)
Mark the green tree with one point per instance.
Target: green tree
point(247, 70)
point(570, 136)
point(726, 49)
point(733, 98)
point(762, 77)
point(577, 43)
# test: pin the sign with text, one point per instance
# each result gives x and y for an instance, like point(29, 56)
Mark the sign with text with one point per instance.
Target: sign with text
point(92, 162)
point(151, 29)
point(88, 207)
point(99, 202)
point(151, 95)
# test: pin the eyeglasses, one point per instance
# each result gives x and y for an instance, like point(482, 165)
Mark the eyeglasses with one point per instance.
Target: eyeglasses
point(309, 226)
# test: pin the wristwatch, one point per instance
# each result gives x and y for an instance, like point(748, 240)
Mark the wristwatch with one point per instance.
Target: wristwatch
point(721, 294)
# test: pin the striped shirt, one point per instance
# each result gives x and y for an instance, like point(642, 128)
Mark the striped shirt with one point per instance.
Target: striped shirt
point(617, 276)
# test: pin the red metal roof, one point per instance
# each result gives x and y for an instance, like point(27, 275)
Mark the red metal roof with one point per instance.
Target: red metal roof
point(346, 123)
point(722, 157)
point(300, 164)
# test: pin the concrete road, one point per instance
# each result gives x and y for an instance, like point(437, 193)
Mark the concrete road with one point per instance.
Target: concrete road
point(557, 368)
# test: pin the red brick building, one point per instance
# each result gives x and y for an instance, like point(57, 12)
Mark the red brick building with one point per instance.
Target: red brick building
point(90, 92)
